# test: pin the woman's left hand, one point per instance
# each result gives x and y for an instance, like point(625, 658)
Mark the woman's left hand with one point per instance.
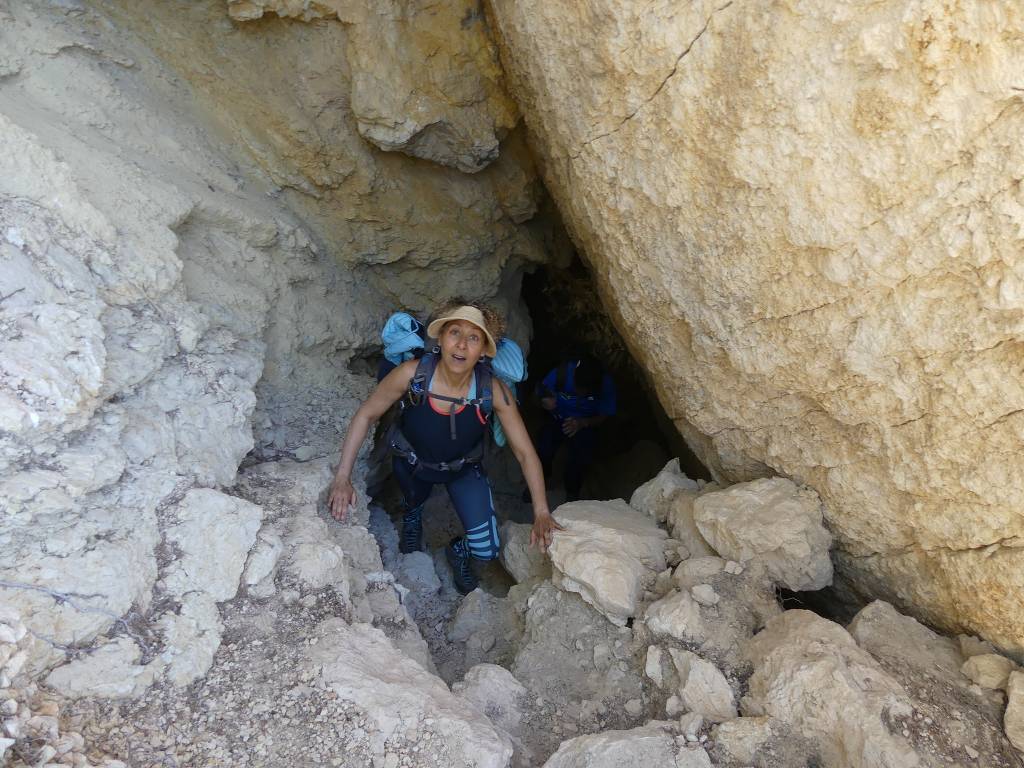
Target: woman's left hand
point(543, 530)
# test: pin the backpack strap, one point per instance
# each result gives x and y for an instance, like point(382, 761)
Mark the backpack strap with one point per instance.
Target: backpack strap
point(420, 381)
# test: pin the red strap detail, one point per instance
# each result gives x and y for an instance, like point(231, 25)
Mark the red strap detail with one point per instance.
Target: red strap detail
point(480, 416)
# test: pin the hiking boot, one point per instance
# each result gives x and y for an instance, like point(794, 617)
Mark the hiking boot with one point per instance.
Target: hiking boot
point(412, 532)
point(457, 554)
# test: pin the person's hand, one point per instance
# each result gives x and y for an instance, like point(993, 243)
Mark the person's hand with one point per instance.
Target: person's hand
point(548, 403)
point(571, 426)
point(544, 526)
point(343, 495)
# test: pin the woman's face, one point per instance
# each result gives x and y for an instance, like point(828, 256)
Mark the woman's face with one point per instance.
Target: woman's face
point(462, 345)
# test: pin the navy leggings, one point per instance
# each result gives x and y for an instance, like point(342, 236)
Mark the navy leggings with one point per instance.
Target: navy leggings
point(470, 494)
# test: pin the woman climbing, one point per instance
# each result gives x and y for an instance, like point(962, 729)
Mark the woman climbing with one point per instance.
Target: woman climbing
point(447, 399)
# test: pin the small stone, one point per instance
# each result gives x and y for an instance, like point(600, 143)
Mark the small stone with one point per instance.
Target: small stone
point(971, 753)
point(674, 707)
point(705, 594)
point(9, 707)
point(634, 706)
point(734, 568)
point(690, 724)
point(989, 670)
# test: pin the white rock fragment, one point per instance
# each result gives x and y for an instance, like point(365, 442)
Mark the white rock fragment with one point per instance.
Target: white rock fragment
point(654, 498)
point(416, 571)
point(109, 672)
point(606, 553)
point(214, 533)
point(1013, 720)
point(263, 559)
point(676, 615)
point(989, 670)
point(702, 687)
point(705, 594)
point(191, 637)
point(652, 665)
point(644, 747)
point(774, 520)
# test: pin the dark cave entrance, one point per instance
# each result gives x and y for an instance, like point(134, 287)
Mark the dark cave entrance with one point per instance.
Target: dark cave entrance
point(568, 321)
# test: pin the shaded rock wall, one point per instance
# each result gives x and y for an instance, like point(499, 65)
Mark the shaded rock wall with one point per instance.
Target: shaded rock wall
point(195, 246)
point(806, 218)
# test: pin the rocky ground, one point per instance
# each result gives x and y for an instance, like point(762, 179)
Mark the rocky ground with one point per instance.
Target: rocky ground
point(651, 636)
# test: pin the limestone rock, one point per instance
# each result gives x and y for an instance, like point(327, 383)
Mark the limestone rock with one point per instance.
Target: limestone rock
point(973, 646)
point(772, 520)
point(109, 672)
point(314, 558)
point(191, 638)
point(1013, 720)
point(797, 657)
point(211, 269)
point(676, 615)
point(494, 691)
point(451, 109)
point(778, 153)
point(522, 561)
point(655, 497)
point(899, 642)
point(702, 686)
point(480, 610)
point(682, 525)
point(760, 740)
point(416, 571)
point(606, 553)
point(556, 658)
point(651, 745)
point(214, 533)
point(361, 665)
point(263, 559)
point(989, 670)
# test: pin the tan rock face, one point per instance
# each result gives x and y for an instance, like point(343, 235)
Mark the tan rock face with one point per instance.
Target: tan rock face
point(425, 76)
point(807, 224)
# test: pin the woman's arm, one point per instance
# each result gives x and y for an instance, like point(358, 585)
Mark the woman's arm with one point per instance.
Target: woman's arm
point(387, 393)
point(519, 439)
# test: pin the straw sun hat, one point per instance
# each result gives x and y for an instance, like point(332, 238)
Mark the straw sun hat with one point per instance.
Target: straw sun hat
point(470, 314)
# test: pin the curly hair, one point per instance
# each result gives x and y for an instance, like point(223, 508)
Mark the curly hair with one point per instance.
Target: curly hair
point(495, 322)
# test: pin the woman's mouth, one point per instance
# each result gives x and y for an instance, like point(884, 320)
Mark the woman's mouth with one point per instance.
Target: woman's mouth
point(459, 358)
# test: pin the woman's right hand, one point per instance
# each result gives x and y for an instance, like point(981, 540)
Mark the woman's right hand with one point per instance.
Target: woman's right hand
point(343, 495)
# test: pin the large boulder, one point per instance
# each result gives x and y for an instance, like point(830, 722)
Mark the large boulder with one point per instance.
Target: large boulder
point(804, 222)
point(809, 672)
point(401, 699)
point(900, 641)
point(606, 554)
point(650, 745)
point(774, 521)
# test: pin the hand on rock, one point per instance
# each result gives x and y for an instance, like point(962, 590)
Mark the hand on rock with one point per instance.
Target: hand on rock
point(343, 496)
point(543, 530)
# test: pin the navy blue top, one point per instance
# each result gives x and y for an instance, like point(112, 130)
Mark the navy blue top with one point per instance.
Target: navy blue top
point(428, 429)
point(572, 406)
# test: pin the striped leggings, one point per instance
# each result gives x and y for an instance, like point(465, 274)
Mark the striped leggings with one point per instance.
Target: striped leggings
point(470, 494)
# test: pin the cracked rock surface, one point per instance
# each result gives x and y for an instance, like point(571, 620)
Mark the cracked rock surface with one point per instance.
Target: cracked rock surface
point(806, 222)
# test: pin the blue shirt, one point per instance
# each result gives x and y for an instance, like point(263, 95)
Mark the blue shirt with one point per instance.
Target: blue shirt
point(571, 406)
